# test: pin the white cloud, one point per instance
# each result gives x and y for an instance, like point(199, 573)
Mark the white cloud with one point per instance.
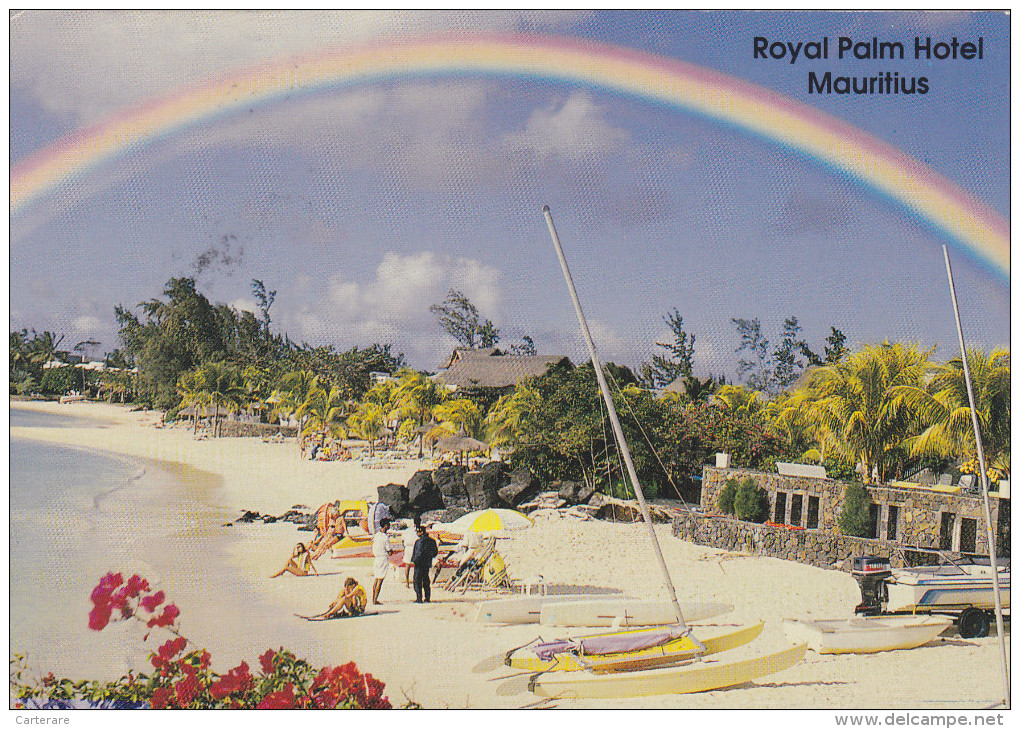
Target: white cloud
point(90, 63)
point(88, 324)
point(577, 130)
point(393, 307)
point(245, 305)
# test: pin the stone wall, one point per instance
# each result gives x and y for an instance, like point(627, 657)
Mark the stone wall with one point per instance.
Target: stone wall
point(809, 546)
point(908, 516)
point(238, 429)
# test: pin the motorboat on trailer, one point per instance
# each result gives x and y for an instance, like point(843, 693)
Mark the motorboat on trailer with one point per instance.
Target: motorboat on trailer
point(945, 587)
point(962, 588)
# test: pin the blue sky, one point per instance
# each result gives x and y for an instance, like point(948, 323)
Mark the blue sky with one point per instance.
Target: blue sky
point(364, 205)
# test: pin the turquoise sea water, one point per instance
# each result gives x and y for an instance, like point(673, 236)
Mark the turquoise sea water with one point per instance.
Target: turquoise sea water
point(76, 514)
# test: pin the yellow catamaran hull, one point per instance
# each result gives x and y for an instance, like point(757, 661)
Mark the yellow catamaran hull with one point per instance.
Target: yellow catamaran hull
point(703, 675)
point(669, 653)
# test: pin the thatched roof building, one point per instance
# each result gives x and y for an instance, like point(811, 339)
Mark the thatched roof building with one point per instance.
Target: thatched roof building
point(475, 369)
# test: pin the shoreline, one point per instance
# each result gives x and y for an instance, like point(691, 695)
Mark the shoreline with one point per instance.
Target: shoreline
point(427, 653)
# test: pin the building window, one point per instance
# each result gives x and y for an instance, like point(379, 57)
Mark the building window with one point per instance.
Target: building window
point(796, 509)
point(813, 504)
point(946, 530)
point(780, 514)
point(892, 523)
point(968, 535)
point(873, 521)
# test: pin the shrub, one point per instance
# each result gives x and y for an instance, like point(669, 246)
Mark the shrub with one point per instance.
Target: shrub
point(727, 496)
point(750, 503)
point(855, 516)
point(60, 380)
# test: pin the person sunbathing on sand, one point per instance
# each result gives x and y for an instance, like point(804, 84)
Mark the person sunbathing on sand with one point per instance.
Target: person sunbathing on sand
point(299, 563)
point(349, 603)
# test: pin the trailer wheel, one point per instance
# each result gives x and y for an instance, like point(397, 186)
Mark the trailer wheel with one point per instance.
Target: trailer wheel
point(973, 623)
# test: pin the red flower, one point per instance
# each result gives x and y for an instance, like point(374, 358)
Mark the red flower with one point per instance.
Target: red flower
point(99, 617)
point(283, 699)
point(151, 602)
point(136, 585)
point(266, 661)
point(160, 698)
point(186, 689)
point(170, 613)
point(167, 651)
point(236, 679)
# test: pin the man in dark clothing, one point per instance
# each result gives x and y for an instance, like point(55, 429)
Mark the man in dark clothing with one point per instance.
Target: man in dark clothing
point(425, 550)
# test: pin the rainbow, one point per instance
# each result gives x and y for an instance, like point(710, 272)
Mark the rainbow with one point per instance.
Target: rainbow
point(935, 200)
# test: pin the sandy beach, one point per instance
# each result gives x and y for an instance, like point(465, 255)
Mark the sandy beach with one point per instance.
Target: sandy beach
point(432, 654)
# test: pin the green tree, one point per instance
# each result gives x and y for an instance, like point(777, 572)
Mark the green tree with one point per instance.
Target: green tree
point(461, 320)
point(855, 517)
point(678, 359)
point(323, 411)
point(750, 502)
point(941, 408)
point(416, 397)
point(857, 410)
point(222, 385)
point(728, 496)
point(368, 421)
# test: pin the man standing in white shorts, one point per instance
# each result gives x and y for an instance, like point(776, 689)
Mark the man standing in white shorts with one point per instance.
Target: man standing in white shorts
point(381, 552)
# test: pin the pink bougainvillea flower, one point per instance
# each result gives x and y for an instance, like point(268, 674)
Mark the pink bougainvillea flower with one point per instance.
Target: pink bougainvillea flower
point(282, 699)
point(151, 602)
point(236, 679)
point(170, 613)
point(266, 661)
point(136, 585)
point(99, 616)
point(160, 698)
point(186, 689)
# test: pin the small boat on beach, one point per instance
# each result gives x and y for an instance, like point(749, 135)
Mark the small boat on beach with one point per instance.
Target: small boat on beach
point(525, 609)
point(871, 634)
point(625, 650)
point(944, 587)
point(621, 613)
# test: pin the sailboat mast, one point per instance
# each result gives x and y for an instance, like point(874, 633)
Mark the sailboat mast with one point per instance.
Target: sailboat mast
point(617, 429)
point(984, 483)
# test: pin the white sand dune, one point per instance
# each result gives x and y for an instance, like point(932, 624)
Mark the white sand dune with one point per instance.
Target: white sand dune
point(426, 653)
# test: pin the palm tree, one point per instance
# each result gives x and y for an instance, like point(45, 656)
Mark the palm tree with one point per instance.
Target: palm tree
point(737, 399)
point(368, 422)
point(942, 408)
point(191, 386)
point(291, 392)
point(460, 415)
point(43, 347)
point(416, 397)
point(857, 408)
point(505, 422)
point(325, 409)
point(222, 384)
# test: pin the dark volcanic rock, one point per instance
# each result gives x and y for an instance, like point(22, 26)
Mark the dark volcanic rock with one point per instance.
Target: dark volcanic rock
point(423, 494)
point(444, 515)
point(568, 491)
point(449, 479)
point(247, 517)
point(395, 496)
point(616, 511)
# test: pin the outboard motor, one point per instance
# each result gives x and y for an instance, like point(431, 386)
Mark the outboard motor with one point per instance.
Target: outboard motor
point(871, 573)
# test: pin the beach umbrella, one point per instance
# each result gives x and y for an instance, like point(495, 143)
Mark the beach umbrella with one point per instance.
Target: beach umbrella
point(490, 520)
point(460, 444)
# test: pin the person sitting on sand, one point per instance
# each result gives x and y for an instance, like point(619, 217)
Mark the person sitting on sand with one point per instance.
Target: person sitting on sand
point(329, 530)
point(299, 563)
point(349, 603)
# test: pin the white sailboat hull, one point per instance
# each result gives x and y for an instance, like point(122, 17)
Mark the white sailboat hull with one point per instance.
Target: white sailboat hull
point(525, 609)
point(609, 613)
point(866, 634)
